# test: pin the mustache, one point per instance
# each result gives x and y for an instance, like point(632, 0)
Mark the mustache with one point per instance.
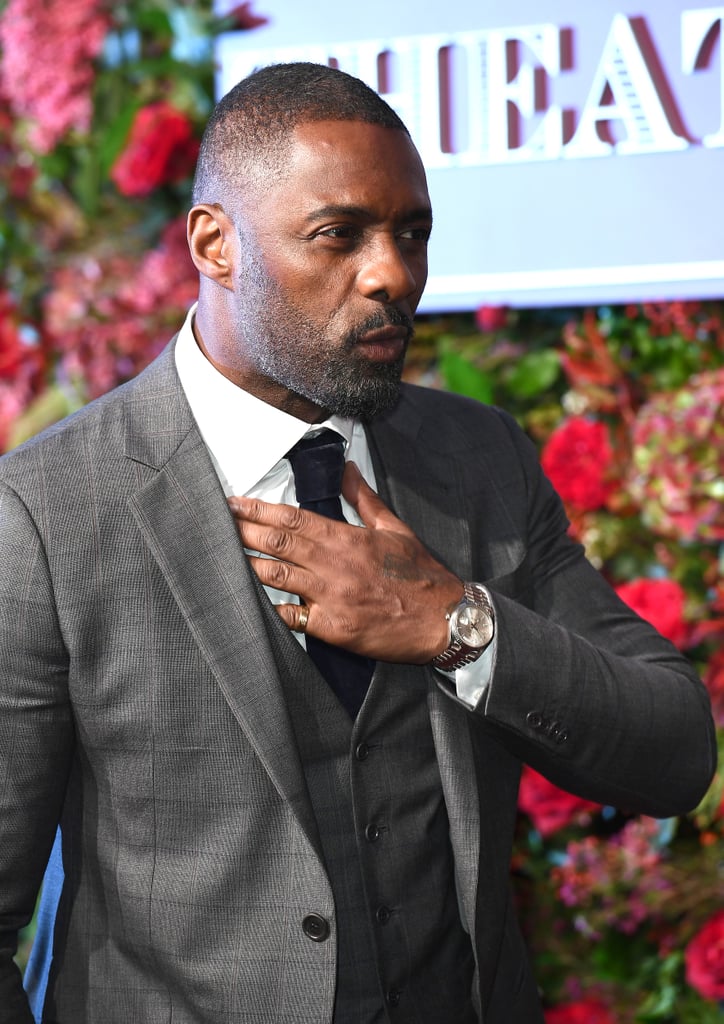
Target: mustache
point(391, 317)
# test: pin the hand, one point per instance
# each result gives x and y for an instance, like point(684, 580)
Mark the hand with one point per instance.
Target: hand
point(376, 591)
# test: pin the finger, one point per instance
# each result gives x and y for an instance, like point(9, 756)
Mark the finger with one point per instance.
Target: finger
point(253, 510)
point(369, 506)
point(320, 538)
point(284, 576)
point(268, 539)
point(292, 615)
point(282, 531)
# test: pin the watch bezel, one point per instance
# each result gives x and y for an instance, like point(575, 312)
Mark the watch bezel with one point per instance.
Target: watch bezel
point(461, 631)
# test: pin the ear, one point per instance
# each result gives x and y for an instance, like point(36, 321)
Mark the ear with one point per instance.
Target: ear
point(211, 236)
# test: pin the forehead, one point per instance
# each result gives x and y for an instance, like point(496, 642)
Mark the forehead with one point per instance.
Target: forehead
point(353, 163)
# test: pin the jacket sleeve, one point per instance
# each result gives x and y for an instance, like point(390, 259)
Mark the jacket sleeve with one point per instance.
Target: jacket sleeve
point(583, 689)
point(36, 735)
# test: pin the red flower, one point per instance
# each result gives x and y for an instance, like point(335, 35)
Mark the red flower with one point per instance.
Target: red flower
point(549, 807)
point(578, 459)
point(243, 18)
point(161, 148)
point(16, 358)
point(705, 959)
point(714, 680)
point(585, 1011)
point(491, 318)
point(660, 602)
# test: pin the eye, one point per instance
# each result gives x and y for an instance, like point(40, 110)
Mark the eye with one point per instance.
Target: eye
point(342, 231)
point(421, 234)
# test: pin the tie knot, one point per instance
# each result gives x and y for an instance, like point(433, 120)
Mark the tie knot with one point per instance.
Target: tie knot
point(318, 465)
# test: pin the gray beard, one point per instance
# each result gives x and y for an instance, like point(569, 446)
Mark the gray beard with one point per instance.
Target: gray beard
point(340, 384)
point(343, 392)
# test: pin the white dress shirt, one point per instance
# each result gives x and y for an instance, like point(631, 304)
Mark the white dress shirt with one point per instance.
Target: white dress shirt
point(248, 439)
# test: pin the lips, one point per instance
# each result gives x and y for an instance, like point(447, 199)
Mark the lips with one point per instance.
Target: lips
point(384, 344)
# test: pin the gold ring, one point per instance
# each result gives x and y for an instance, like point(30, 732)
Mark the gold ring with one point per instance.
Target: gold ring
point(303, 618)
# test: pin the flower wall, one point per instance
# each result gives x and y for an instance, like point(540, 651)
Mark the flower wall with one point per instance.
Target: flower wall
point(624, 914)
point(102, 106)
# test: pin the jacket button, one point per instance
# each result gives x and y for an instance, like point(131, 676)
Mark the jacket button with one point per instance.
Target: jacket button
point(373, 833)
point(362, 752)
point(562, 736)
point(316, 927)
point(534, 719)
point(383, 914)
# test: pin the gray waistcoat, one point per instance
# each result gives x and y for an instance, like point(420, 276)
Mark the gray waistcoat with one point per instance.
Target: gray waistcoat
point(375, 789)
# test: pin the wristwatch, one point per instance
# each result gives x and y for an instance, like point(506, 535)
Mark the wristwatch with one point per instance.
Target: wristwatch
point(472, 627)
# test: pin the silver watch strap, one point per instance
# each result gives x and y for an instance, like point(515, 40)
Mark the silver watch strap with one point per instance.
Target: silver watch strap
point(457, 654)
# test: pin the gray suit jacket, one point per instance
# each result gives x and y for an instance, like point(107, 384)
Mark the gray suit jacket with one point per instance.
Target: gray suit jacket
point(141, 708)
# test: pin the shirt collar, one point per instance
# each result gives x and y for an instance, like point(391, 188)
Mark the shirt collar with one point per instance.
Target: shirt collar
point(245, 436)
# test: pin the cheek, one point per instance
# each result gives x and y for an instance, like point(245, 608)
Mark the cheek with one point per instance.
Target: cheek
point(323, 297)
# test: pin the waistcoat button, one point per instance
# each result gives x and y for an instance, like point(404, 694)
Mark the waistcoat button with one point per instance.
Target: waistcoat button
point(316, 927)
point(383, 914)
point(373, 833)
point(393, 997)
point(362, 752)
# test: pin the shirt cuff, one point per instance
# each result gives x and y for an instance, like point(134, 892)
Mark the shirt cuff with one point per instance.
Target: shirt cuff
point(471, 681)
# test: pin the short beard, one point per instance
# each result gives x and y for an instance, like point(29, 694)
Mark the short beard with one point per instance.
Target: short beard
point(343, 385)
point(363, 392)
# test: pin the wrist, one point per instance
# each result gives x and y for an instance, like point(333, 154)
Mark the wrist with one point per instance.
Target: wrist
point(470, 629)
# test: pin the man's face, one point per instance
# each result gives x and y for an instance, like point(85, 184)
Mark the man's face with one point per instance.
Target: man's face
point(331, 264)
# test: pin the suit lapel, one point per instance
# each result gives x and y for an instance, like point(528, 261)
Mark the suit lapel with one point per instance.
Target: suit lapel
point(428, 496)
point(184, 518)
point(420, 483)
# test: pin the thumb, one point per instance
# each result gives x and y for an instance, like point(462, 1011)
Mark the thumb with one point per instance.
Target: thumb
point(367, 504)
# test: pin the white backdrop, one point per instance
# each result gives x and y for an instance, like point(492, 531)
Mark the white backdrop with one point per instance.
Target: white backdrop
point(575, 152)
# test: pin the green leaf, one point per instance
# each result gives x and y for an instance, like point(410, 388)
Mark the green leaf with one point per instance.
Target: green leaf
point(659, 1005)
point(85, 181)
point(152, 20)
point(534, 373)
point(463, 378)
point(112, 139)
point(48, 408)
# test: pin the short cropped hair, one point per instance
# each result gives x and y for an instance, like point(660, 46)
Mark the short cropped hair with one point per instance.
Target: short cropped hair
point(251, 126)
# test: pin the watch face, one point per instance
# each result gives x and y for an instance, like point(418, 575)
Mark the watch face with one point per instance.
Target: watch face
point(474, 626)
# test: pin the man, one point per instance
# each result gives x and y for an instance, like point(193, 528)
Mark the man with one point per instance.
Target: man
point(240, 839)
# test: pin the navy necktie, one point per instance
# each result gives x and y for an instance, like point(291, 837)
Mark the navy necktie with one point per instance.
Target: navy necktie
point(318, 464)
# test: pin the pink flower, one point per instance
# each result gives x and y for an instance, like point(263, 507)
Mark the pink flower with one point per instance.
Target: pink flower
point(161, 148)
point(578, 459)
point(704, 959)
point(166, 276)
point(549, 807)
point(617, 882)
point(677, 475)
point(660, 602)
point(51, 73)
point(585, 1011)
point(107, 317)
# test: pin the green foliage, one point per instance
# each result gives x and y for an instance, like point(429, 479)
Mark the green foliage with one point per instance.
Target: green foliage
point(609, 365)
point(533, 374)
point(462, 376)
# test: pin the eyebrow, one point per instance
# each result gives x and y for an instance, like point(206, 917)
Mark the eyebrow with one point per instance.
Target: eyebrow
point(362, 213)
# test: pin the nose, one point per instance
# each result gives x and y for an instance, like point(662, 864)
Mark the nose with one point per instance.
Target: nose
point(388, 274)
